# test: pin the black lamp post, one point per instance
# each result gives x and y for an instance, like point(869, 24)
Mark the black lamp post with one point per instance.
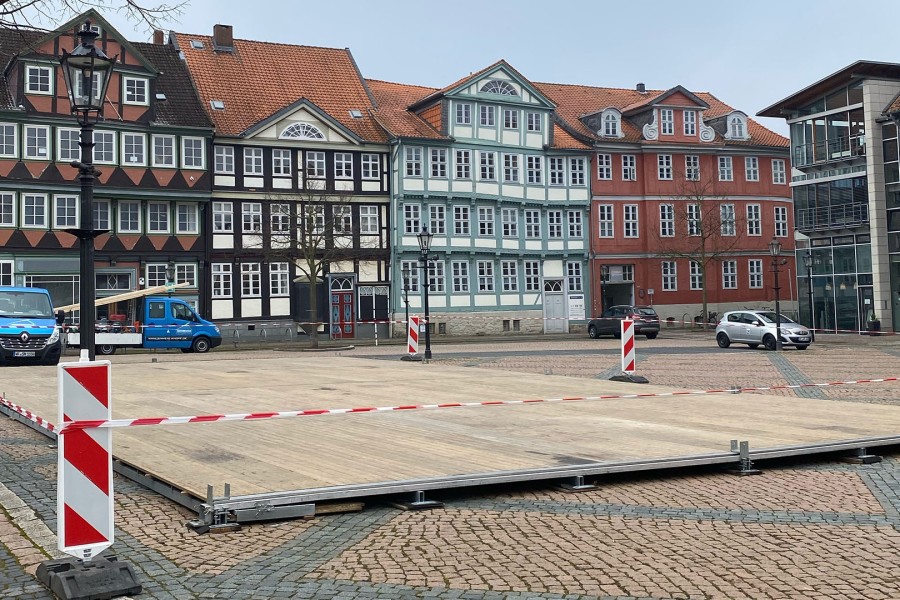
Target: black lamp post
point(406, 275)
point(87, 71)
point(808, 263)
point(425, 238)
point(775, 251)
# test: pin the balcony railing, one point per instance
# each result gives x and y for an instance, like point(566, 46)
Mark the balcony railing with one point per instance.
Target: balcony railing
point(843, 148)
point(840, 216)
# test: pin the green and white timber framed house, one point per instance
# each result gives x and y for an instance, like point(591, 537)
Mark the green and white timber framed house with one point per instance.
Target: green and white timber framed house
point(300, 187)
point(488, 168)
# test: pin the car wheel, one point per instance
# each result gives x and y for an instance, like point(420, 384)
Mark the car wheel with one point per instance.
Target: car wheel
point(201, 344)
point(769, 342)
point(651, 336)
point(753, 346)
point(106, 349)
point(593, 333)
point(802, 347)
point(722, 340)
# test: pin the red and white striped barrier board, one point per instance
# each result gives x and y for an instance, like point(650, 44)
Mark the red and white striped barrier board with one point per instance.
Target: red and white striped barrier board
point(412, 338)
point(85, 481)
point(627, 346)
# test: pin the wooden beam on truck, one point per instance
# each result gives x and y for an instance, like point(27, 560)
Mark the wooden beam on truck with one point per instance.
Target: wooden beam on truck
point(159, 289)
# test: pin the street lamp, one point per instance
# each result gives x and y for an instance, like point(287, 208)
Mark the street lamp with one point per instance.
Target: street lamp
point(406, 274)
point(425, 238)
point(604, 277)
point(87, 71)
point(775, 251)
point(808, 263)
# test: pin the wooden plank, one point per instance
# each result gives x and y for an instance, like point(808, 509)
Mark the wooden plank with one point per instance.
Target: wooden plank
point(159, 289)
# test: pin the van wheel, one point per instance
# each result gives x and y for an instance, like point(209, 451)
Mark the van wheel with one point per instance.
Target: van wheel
point(201, 344)
point(722, 340)
point(651, 336)
point(769, 342)
point(593, 333)
point(106, 349)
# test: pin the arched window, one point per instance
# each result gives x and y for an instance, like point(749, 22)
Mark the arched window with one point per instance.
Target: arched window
point(303, 130)
point(737, 127)
point(499, 87)
point(611, 125)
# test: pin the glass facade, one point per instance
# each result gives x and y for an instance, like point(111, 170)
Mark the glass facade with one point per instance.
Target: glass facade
point(832, 204)
point(837, 131)
point(841, 274)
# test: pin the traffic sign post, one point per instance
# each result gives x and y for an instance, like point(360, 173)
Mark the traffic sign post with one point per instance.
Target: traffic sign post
point(412, 340)
point(84, 501)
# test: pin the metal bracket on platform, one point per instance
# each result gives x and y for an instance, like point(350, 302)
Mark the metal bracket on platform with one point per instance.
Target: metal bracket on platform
point(576, 484)
point(745, 465)
point(212, 518)
point(861, 456)
point(418, 502)
point(734, 389)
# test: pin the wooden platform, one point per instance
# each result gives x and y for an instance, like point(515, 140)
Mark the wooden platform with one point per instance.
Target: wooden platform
point(337, 450)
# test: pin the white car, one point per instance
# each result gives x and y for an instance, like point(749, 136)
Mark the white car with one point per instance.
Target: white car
point(755, 327)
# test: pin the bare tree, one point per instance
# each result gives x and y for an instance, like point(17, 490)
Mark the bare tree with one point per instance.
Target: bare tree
point(48, 14)
point(714, 231)
point(311, 229)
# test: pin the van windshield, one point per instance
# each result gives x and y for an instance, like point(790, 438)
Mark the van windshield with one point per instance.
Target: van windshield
point(31, 305)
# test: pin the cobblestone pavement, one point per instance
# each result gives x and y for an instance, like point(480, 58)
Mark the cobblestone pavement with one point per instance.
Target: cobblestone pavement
point(824, 529)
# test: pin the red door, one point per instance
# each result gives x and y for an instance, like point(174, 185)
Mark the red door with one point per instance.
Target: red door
point(342, 314)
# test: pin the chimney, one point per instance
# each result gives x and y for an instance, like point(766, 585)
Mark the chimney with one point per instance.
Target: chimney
point(641, 88)
point(159, 37)
point(222, 37)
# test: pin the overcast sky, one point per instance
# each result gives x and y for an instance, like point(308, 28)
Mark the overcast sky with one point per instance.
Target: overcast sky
point(749, 55)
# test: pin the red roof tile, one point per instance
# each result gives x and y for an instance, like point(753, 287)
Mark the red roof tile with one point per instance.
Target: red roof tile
point(278, 75)
point(392, 114)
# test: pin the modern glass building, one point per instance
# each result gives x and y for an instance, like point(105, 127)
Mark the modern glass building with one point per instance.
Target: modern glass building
point(845, 180)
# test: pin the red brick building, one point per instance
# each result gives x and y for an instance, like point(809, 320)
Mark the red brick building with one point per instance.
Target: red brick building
point(674, 172)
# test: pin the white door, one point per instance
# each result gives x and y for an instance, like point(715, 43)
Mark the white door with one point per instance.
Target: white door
point(554, 308)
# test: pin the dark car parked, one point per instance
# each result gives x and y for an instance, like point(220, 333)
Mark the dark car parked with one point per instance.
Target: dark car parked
point(646, 321)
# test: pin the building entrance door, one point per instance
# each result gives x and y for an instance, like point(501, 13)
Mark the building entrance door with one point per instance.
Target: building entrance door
point(866, 306)
point(554, 309)
point(342, 308)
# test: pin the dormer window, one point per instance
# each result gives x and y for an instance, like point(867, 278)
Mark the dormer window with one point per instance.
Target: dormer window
point(303, 131)
point(135, 90)
point(737, 127)
point(499, 87)
point(611, 123)
point(667, 121)
point(38, 80)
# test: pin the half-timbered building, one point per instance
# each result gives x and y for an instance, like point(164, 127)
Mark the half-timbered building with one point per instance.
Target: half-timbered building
point(300, 185)
point(151, 148)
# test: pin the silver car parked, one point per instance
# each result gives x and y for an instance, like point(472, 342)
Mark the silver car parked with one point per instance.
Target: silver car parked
point(755, 327)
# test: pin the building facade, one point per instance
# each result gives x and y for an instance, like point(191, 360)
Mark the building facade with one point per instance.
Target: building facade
point(151, 148)
point(687, 193)
point(299, 186)
point(484, 166)
point(845, 184)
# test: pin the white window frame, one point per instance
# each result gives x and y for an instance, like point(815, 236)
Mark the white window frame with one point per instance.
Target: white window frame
point(666, 121)
point(70, 153)
point(727, 219)
point(279, 280)
point(101, 208)
point(667, 220)
point(459, 270)
point(509, 276)
point(510, 119)
point(486, 220)
point(486, 116)
point(37, 200)
point(630, 221)
point(342, 219)
point(46, 136)
point(532, 272)
point(669, 271)
point(437, 219)
point(438, 162)
point(412, 219)
point(463, 164)
point(729, 274)
point(574, 277)
point(6, 272)
point(696, 276)
point(134, 208)
point(223, 217)
point(487, 166)
point(511, 168)
point(604, 167)
point(251, 280)
point(314, 164)
point(108, 137)
point(485, 270)
point(629, 167)
point(664, 167)
point(690, 122)
point(576, 226)
point(692, 167)
point(167, 213)
point(532, 224)
point(754, 219)
point(534, 166)
point(533, 121)
point(554, 224)
point(694, 219)
point(130, 97)
point(251, 217)
point(343, 165)
point(781, 221)
point(13, 144)
point(576, 172)
point(8, 209)
point(412, 268)
point(751, 168)
point(556, 167)
point(368, 220)
point(282, 162)
point(223, 162)
point(371, 166)
point(70, 219)
point(779, 174)
point(755, 271)
point(605, 221)
point(436, 277)
point(167, 142)
point(726, 169)
point(509, 217)
point(192, 212)
point(187, 159)
point(221, 280)
point(253, 158)
point(462, 221)
point(49, 71)
point(463, 113)
point(129, 139)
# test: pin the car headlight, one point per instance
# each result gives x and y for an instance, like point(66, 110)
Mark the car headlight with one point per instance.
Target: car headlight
point(54, 337)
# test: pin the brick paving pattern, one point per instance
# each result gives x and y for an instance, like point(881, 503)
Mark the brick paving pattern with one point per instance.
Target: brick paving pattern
point(806, 530)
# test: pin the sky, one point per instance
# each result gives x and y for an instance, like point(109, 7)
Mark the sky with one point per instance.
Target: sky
point(749, 55)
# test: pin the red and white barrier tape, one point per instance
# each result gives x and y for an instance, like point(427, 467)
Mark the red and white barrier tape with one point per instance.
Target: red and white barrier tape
point(28, 414)
point(72, 425)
